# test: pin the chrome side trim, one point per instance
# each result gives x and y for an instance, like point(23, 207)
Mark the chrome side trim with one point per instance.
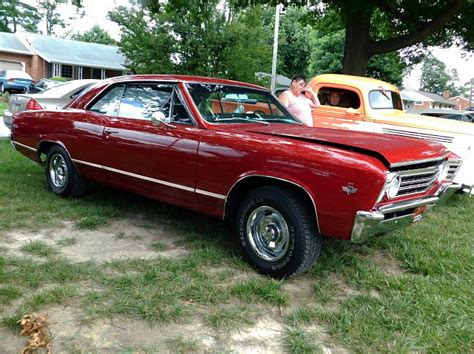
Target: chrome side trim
point(402, 164)
point(279, 179)
point(150, 179)
point(130, 174)
point(23, 145)
point(210, 194)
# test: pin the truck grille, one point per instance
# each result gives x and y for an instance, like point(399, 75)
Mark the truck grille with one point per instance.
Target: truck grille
point(418, 179)
point(453, 168)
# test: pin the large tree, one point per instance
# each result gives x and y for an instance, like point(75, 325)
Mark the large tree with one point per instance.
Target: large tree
point(375, 27)
point(193, 38)
point(15, 14)
point(95, 35)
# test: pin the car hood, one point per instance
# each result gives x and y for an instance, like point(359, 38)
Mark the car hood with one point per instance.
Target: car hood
point(423, 122)
point(393, 151)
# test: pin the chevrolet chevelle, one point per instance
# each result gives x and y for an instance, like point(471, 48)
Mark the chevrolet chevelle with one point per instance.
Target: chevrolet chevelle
point(232, 150)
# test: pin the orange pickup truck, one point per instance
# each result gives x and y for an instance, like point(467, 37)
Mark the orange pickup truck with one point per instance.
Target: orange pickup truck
point(371, 105)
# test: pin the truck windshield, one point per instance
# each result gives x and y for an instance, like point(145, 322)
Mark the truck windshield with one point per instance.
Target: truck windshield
point(385, 99)
point(223, 104)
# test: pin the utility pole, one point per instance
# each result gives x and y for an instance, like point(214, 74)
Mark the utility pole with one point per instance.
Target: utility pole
point(471, 93)
point(275, 46)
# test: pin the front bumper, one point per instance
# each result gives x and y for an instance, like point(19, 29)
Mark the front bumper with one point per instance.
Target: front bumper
point(396, 216)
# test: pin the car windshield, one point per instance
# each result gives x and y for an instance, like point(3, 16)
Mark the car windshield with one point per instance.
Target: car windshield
point(222, 104)
point(385, 99)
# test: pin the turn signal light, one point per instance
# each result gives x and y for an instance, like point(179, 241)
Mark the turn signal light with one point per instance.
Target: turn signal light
point(32, 105)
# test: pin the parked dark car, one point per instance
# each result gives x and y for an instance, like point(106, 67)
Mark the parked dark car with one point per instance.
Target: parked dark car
point(44, 84)
point(15, 81)
point(233, 151)
point(463, 116)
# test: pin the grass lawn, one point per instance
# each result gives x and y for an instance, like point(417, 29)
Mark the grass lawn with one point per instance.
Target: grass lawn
point(408, 291)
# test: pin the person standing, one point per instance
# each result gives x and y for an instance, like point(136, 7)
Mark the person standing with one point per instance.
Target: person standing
point(300, 99)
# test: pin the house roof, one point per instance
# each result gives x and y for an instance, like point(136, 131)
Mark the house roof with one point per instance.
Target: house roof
point(410, 95)
point(459, 97)
point(10, 43)
point(414, 95)
point(68, 51)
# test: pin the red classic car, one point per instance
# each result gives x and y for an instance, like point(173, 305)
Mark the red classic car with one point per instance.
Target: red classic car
point(232, 150)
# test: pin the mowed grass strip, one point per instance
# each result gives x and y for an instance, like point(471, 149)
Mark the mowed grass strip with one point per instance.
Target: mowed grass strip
point(425, 304)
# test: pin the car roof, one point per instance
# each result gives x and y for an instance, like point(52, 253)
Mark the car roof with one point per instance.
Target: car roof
point(364, 83)
point(183, 78)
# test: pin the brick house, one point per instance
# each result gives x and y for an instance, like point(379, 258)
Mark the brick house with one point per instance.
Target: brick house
point(413, 99)
point(461, 102)
point(45, 56)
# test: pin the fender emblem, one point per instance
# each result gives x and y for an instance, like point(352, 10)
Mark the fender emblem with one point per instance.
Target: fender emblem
point(349, 189)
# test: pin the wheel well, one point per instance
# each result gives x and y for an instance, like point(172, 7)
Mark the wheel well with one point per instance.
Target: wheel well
point(245, 186)
point(43, 149)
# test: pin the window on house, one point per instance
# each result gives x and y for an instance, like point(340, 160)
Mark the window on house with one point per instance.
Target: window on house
point(66, 71)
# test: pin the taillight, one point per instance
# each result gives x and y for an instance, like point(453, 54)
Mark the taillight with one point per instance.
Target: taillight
point(11, 79)
point(32, 105)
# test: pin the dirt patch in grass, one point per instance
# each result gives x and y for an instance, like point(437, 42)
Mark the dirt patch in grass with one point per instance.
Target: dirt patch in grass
point(386, 263)
point(117, 240)
point(126, 238)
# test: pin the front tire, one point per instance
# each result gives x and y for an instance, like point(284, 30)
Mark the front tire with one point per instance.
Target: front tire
point(277, 232)
point(61, 175)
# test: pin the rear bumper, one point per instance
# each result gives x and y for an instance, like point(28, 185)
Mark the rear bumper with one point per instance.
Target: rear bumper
point(7, 119)
point(395, 216)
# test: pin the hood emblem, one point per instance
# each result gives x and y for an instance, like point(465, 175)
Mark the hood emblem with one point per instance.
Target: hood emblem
point(349, 189)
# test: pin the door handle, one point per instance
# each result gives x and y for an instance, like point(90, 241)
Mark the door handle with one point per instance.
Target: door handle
point(108, 131)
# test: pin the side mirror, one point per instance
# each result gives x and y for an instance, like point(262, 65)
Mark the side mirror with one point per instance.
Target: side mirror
point(353, 111)
point(159, 118)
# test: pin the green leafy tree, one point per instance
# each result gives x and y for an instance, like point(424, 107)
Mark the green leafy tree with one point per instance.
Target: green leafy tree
point(294, 50)
point(95, 35)
point(192, 38)
point(245, 46)
point(49, 11)
point(433, 75)
point(15, 14)
point(375, 27)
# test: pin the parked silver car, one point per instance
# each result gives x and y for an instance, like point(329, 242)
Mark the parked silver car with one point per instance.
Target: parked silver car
point(54, 98)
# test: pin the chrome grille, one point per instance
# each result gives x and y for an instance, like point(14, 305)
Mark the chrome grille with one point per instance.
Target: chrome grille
point(425, 136)
point(418, 180)
point(453, 168)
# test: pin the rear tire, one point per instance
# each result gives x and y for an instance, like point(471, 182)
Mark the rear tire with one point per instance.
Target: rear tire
point(61, 174)
point(277, 232)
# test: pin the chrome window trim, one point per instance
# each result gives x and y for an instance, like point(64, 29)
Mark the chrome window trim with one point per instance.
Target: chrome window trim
point(279, 179)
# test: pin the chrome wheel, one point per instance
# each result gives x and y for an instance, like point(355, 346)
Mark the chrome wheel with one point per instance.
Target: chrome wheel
point(268, 233)
point(58, 171)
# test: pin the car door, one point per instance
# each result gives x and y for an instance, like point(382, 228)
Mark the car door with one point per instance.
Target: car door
point(156, 157)
point(348, 113)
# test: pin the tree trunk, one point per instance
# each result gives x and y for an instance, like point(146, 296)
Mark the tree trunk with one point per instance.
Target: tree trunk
point(356, 46)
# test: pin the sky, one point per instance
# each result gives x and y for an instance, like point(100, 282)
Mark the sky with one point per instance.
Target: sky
point(453, 58)
point(96, 13)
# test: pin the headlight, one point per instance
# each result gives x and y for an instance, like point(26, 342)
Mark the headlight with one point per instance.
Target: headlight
point(443, 172)
point(392, 186)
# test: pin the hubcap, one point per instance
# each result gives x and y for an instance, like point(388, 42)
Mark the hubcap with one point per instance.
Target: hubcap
point(268, 233)
point(58, 171)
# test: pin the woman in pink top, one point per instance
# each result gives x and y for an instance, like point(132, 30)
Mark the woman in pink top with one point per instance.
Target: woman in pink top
point(300, 99)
